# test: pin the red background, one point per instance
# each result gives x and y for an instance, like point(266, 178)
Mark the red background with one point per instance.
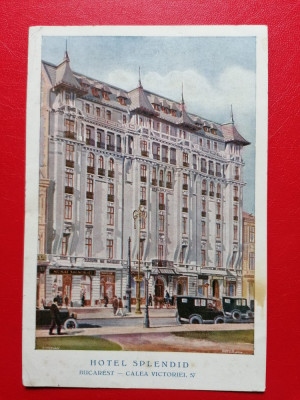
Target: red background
point(283, 176)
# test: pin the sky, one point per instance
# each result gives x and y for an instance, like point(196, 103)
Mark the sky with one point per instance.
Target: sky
point(215, 72)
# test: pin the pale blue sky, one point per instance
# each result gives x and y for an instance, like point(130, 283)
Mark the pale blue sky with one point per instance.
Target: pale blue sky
point(216, 72)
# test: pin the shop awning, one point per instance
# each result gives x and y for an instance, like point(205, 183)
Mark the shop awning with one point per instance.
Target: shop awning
point(73, 271)
point(163, 271)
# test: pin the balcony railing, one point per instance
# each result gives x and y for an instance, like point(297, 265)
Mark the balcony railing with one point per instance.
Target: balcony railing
point(156, 156)
point(111, 174)
point(111, 198)
point(69, 189)
point(154, 182)
point(162, 263)
point(218, 195)
point(185, 164)
point(185, 209)
point(161, 183)
point(211, 172)
point(110, 147)
point(218, 174)
point(101, 171)
point(173, 161)
point(165, 159)
point(185, 186)
point(204, 192)
point(237, 177)
point(162, 206)
point(101, 145)
point(204, 170)
point(235, 198)
point(90, 142)
point(218, 216)
point(69, 163)
point(89, 195)
point(90, 170)
point(145, 153)
point(203, 213)
point(211, 194)
point(143, 202)
point(119, 149)
point(143, 179)
point(70, 135)
point(169, 185)
point(235, 218)
point(195, 166)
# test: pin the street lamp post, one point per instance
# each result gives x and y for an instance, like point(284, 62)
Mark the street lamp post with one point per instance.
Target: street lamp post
point(147, 277)
point(138, 215)
point(128, 287)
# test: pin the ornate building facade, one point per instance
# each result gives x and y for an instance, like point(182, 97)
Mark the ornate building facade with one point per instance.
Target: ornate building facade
point(104, 152)
point(249, 257)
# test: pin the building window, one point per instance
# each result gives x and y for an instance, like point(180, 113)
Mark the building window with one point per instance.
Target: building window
point(143, 222)
point(124, 119)
point(218, 169)
point(69, 152)
point(167, 130)
point(110, 249)
point(169, 177)
point(90, 185)
point(203, 231)
point(251, 234)
point(89, 212)
point(203, 205)
point(154, 173)
point(235, 193)
point(218, 259)
point(201, 142)
point(161, 177)
point(88, 247)
point(110, 189)
point(67, 98)
point(203, 258)
point(218, 231)
point(233, 260)
point(218, 208)
point(208, 144)
point(161, 223)
point(69, 179)
point(204, 187)
point(235, 232)
point(235, 211)
point(111, 164)
point(211, 188)
point(98, 111)
point(161, 198)
point(64, 245)
point(236, 173)
point(218, 190)
point(185, 158)
point(184, 225)
point(101, 162)
point(108, 115)
point(91, 160)
point(251, 261)
point(110, 215)
point(185, 202)
point(144, 146)
point(185, 179)
point(69, 126)
point(143, 173)
point(143, 195)
point(203, 165)
point(87, 108)
point(215, 146)
point(160, 252)
point(68, 209)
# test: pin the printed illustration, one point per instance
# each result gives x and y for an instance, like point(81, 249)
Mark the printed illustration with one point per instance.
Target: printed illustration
point(146, 234)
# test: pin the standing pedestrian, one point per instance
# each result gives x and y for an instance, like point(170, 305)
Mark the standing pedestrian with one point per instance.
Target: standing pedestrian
point(150, 300)
point(82, 299)
point(167, 299)
point(55, 318)
point(115, 304)
point(105, 301)
point(66, 300)
point(120, 308)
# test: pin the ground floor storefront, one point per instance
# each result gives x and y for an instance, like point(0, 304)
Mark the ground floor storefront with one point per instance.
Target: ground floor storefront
point(97, 286)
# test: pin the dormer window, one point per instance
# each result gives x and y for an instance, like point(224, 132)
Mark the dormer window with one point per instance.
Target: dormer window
point(155, 106)
point(122, 100)
point(173, 113)
point(105, 95)
point(95, 92)
point(205, 128)
point(213, 131)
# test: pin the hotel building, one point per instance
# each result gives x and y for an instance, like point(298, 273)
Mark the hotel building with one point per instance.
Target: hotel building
point(104, 152)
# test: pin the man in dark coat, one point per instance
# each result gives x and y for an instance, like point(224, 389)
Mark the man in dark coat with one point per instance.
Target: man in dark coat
point(115, 304)
point(55, 318)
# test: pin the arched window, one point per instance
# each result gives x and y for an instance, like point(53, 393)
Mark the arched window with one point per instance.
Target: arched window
point(169, 177)
point(111, 164)
point(204, 186)
point(101, 162)
point(211, 187)
point(161, 177)
point(218, 190)
point(91, 160)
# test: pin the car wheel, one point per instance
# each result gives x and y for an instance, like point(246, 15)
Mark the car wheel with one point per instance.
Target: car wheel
point(236, 315)
point(196, 319)
point(219, 320)
point(70, 323)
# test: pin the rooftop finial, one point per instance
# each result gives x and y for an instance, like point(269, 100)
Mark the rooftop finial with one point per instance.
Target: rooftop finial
point(232, 120)
point(182, 99)
point(140, 81)
point(66, 58)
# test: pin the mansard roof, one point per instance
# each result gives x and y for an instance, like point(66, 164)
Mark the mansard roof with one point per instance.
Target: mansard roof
point(65, 76)
point(231, 134)
point(186, 121)
point(140, 101)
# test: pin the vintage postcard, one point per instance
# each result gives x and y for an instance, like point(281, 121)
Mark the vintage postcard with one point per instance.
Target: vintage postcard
point(145, 238)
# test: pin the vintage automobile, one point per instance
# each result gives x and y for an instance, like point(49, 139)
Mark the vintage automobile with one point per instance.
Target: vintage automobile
point(43, 318)
point(198, 310)
point(236, 308)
